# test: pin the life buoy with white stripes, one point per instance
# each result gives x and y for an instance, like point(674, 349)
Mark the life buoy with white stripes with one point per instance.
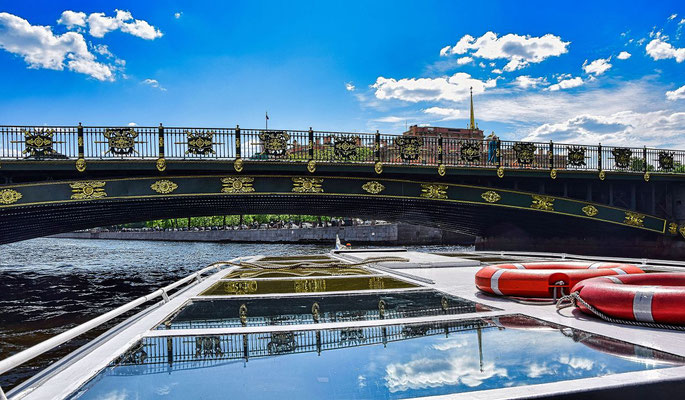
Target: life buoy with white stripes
point(657, 297)
point(543, 279)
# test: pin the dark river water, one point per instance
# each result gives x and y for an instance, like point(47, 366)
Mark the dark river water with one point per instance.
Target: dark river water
point(50, 285)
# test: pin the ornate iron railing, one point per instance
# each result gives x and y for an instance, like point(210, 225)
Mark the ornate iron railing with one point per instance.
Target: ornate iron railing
point(83, 143)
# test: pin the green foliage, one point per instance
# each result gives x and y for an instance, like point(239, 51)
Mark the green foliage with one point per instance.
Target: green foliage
point(637, 164)
point(231, 220)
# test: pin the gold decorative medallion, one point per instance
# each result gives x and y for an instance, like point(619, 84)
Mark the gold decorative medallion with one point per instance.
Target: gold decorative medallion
point(682, 231)
point(87, 190)
point(634, 219)
point(241, 184)
point(307, 185)
point(590, 210)
point(500, 172)
point(242, 287)
point(311, 166)
point(316, 312)
point(9, 196)
point(673, 228)
point(378, 167)
point(373, 187)
point(646, 176)
point(442, 170)
point(543, 203)
point(161, 164)
point(242, 312)
point(553, 173)
point(491, 197)
point(238, 165)
point(80, 165)
point(309, 285)
point(602, 175)
point(433, 191)
point(164, 186)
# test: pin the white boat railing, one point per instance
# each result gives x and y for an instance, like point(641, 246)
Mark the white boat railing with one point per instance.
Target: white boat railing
point(32, 352)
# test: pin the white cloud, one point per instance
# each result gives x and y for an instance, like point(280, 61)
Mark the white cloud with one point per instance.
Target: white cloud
point(72, 19)
point(525, 81)
point(103, 49)
point(624, 55)
point(349, 87)
point(100, 25)
point(453, 88)
point(132, 124)
point(153, 83)
point(464, 60)
point(577, 362)
point(672, 17)
point(661, 50)
point(497, 71)
point(445, 114)
point(567, 84)
point(597, 67)
point(178, 15)
point(519, 50)
point(391, 119)
point(40, 48)
point(677, 94)
point(481, 64)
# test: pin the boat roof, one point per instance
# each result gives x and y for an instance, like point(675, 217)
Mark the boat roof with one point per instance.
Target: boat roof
point(354, 303)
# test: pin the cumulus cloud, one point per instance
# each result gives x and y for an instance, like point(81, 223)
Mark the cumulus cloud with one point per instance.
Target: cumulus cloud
point(597, 67)
point(672, 17)
point(444, 113)
point(100, 24)
point(464, 60)
point(178, 15)
point(525, 81)
point(677, 94)
point(662, 50)
point(452, 88)
point(41, 48)
point(519, 50)
point(349, 87)
point(624, 55)
point(154, 83)
point(567, 84)
point(72, 19)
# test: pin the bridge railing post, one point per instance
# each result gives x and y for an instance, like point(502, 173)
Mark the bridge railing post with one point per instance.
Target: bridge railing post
point(644, 159)
point(311, 144)
point(599, 157)
point(81, 161)
point(237, 142)
point(550, 153)
point(377, 147)
point(440, 150)
point(161, 141)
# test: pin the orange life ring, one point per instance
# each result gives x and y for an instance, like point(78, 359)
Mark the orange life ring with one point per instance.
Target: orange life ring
point(541, 279)
point(658, 297)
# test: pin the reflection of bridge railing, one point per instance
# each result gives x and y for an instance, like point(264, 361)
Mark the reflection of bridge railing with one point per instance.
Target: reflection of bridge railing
point(172, 143)
point(161, 354)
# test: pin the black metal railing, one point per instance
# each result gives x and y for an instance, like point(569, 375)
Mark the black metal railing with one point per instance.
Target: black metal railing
point(178, 143)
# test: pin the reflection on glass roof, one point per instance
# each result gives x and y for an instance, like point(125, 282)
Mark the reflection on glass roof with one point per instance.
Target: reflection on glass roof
point(318, 309)
point(238, 287)
point(247, 272)
point(390, 362)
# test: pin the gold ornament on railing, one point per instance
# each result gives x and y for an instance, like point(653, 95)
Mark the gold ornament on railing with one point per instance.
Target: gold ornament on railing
point(543, 203)
point(434, 191)
point(634, 219)
point(307, 185)
point(9, 196)
point(491, 196)
point(373, 187)
point(239, 184)
point(87, 190)
point(590, 210)
point(164, 186)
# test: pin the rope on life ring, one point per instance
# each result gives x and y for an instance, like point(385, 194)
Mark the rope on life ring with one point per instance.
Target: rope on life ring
point(574, 298)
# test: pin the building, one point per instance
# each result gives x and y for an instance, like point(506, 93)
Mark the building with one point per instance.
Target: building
point(471, 131)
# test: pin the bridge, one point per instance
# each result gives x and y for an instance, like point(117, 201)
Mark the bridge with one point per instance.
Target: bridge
point(56, 179)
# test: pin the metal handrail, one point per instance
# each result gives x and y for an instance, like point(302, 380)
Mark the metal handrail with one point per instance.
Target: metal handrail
point(15, 360)
point(58, 143)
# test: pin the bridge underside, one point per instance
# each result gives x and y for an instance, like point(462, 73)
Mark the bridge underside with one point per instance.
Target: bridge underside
point(41, 209)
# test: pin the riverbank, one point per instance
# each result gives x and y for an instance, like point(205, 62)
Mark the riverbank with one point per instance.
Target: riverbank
point(383, 234)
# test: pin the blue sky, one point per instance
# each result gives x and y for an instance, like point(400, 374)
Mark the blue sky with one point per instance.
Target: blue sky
point(610, 72)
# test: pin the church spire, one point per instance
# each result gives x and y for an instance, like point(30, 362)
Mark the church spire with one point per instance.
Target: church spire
point(472, 124)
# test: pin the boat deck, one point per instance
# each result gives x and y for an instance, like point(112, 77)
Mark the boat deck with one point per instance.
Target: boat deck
point(394, 328)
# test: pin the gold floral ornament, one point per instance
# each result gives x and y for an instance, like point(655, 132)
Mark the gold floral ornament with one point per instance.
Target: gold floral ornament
point(553, 173)
point(378, 167)
point(673, 228)
point(161, 164)
point(373, 187)
point(500, 172)
point(442, 170)
point(80, 165)
point(543, 203)
point(238, 165)
point(602, 175)
point(682, 231)
point(590, 210)
point(646, 176)
point(634, 219)
point(491, 197)
point(241, 184)
point(311, 166)
point(307, 185)
point(9, 196)
point(164, 186)
point(433, 191)
point(87, 190)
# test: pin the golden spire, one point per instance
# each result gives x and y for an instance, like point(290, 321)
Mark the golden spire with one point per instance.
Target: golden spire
point(472, 125)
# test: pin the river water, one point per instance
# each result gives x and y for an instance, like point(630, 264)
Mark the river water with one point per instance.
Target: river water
point(49, 285)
